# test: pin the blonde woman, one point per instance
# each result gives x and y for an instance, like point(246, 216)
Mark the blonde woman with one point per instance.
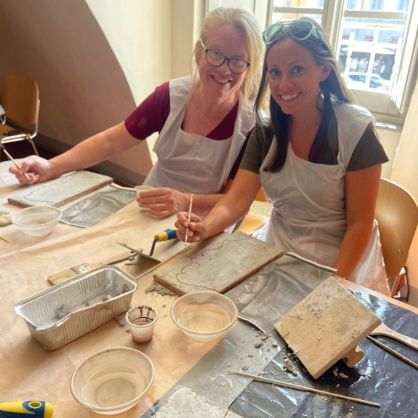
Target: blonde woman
point(203, 122)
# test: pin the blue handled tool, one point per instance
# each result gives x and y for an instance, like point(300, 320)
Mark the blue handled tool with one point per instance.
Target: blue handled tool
point(23, 409)
point(167, 234)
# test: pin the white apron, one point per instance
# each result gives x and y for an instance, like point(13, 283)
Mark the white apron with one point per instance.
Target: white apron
point(190, 162)
point(309, 216)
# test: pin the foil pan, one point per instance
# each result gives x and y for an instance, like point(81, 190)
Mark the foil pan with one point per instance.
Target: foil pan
point(68, 310)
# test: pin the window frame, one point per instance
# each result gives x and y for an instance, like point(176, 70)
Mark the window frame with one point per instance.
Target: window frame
point(387, 108)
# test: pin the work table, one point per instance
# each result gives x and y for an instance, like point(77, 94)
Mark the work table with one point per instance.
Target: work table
point(30, 372)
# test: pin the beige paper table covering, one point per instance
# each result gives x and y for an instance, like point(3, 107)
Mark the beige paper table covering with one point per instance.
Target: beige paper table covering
point(29, 372)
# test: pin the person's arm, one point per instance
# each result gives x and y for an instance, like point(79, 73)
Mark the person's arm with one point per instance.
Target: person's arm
point(234, 204)
point(94, 150)
point(161, 202)
point(147, 118)
point(87, 153)
point(361, 193)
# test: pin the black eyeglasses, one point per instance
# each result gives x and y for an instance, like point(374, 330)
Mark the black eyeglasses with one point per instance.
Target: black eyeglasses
point(216, 59)
point(299, 30)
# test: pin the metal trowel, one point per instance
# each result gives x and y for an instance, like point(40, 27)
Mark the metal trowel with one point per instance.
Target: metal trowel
point(135, 263)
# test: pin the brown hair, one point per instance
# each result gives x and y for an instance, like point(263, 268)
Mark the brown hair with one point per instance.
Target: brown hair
point(332, 86)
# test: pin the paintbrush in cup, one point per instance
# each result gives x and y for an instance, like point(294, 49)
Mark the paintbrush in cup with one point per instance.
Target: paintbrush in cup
point(16, 163)
point(188, 217)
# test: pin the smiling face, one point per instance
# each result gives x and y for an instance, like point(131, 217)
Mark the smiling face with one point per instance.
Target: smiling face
point(294, 77)
point(221, 81)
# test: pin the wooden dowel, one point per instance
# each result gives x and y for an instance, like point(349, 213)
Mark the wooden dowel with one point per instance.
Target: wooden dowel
point(306, 388)
point(393, 352)
point(189, 214)
point(15, 163)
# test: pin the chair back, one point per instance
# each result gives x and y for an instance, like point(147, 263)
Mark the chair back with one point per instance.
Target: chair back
point(20, 100)
point(261, 197)
point(397, 216)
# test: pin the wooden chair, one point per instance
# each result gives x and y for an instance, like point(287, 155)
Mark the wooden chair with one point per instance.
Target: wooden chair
point(397, 215)
point(252, 222)
point(20, 102)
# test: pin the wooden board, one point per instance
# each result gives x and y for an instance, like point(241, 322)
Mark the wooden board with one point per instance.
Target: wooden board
point(325, 326)
point(59, 191)
point(216, 264)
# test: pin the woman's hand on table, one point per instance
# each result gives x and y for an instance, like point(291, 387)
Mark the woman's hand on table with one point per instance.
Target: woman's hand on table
point(161, 202)
point(32, 170)
point(196, 229)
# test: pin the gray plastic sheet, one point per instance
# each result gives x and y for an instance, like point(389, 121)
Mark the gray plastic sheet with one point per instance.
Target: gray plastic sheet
point(93, 209)
point(243, 348)
point(379, 377)
point(262, 299)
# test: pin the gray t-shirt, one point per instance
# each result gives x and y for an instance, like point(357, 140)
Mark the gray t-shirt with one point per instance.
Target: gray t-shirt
point(367, 153)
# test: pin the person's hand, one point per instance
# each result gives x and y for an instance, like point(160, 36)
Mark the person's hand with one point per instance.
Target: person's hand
point(196, 229)
point(161, 202)
point(32, 170)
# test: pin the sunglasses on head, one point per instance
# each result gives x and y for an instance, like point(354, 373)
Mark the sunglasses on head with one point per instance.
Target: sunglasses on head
point(299, 30)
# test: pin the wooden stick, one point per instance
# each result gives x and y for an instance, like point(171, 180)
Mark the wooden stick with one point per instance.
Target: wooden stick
point(15, 163)
point(188, 217)
point(306, 388)
point(393, 352)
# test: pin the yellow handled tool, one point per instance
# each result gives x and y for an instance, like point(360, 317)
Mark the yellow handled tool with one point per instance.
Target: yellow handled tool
point(167, 234)
point(29, 409)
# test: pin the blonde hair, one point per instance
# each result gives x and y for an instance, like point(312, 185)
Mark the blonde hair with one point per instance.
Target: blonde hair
point(244, 22)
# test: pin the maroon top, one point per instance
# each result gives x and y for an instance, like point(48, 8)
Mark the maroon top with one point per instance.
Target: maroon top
point(151, 115)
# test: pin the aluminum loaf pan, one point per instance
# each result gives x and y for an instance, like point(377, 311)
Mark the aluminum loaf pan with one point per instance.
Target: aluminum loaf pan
point(68, 310)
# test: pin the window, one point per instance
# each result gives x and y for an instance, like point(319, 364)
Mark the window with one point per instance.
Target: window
point(374, 41)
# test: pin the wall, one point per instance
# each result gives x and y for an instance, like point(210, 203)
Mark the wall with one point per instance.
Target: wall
point(405, 172)
point(389, 138)
point(95, 60)
point(84, 87)
point(139, 34)
point(153, 42)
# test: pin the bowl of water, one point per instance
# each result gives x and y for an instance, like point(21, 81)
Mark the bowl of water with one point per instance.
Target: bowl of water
point(113, 380)
point(204, 315)
point(37, 221)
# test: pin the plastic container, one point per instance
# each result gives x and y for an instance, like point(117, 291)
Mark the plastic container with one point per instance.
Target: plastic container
point(68, 310)
point(141, 321)
point(205, 315)
point(37, 221)
point(113, 380)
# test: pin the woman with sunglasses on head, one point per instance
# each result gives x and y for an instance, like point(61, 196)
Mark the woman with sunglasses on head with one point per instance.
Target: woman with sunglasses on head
point(202, 122)
point(317, 157)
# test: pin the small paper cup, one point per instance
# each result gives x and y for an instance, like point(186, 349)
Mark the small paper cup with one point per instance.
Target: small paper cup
point(141, 320)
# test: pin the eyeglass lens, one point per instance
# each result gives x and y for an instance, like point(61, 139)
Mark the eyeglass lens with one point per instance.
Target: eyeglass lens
point(216, 58)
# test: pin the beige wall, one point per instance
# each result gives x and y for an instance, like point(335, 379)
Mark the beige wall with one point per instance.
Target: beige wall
point(390, 140)
point(405, 172)
point(153, 42)
point(95, 60)
point(139, 34)
point(84, 86)
point(405, 167)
